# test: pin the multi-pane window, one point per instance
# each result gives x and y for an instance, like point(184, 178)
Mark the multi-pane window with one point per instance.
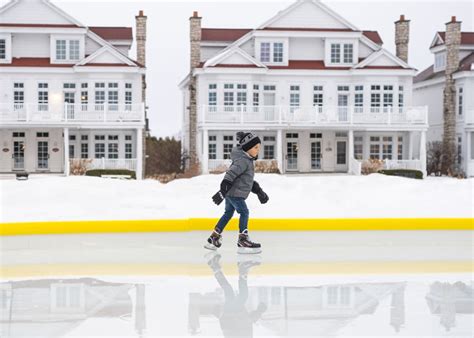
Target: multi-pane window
point(227, 146)
point(256, 95)
point(460, 101)
point(375, 96)
point(84, 95)
point(318, 96)
point(440, 60)
point(99, 147)
point(375, 147)
point(228, 94)
point(84, 150)
point(212, 147)
point(359, 99)
point(43, 96)
point(212, 95)
point(241, 94)
point(265, 52)
point(348, 52)
point(401, 96)
point(387, 147)
point(335, 53)
point(74, 49)
point(100, 93)
point(113, 147)
point(294, 98)
point(358, 147)
point(269, 147)
point(60, 49)
point(278, 52)
point(112, 97)
point(381, 147)
point(18, 95)
point(128, 150)
point(400, 148)
point(3, 49)
point(128, 96)
point(387, 96)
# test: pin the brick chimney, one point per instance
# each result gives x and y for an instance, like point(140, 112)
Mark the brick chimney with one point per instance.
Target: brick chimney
point(140, 35)
point(195, 59)
point(402, 35)
point(452, 41)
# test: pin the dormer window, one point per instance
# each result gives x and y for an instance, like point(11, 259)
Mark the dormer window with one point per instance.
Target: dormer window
point(3, 49)
point(68, 49)
point(272, 52)
point(440, 61)
point(342, 53)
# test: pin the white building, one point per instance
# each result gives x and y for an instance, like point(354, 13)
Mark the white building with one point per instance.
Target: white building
point(67, 91)
point(323, 94)
point(430, 84)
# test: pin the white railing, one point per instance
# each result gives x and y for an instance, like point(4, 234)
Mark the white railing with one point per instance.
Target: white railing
point(403, 164)
point(106, 163)
point(310, 115)
point(71, 112)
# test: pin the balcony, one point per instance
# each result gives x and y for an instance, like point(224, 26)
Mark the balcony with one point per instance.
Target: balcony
point(313, 115)
point(71, 113)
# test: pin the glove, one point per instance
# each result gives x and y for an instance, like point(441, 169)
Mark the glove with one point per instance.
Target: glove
point(220, 195)
point(262, 196)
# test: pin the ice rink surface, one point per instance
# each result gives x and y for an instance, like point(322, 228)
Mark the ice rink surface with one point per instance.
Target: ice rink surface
point(318, 284)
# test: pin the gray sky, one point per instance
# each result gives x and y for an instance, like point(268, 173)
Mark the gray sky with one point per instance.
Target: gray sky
point(168, 34)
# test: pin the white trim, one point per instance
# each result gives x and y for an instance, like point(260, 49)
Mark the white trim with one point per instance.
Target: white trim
point(318, 4)
point(435, 39)
point(102, 50)
point(221, 57)
point(374, 56)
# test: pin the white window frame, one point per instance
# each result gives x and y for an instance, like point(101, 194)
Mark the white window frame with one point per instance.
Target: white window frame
point(68, 39)
point(272, 42)
point(341, 42)
point(460, 98)
point(440, 61)
point(8, 47)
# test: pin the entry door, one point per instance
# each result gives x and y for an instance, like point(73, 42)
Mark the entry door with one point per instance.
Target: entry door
point(341, 155)
point(316, 155)
point(342, 107)
point(269, 106)
point(43, 155)
point(19, 155)
point(292, 155)
point(70, 97)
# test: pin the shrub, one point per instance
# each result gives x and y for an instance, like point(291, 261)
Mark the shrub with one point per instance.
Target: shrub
point(267, 167)
point(371, 166)
point(79, 166)
point(100, 172)
point(403, 173)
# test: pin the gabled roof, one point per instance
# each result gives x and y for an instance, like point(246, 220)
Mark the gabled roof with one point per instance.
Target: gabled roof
point(223, 34)
point(467, 38)
point(89, 61)
point(382, 59)
point(113, 33)
point(234, 53)
point(465, 64)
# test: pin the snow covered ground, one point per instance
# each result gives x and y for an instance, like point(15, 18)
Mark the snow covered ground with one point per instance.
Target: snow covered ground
point(47, 198)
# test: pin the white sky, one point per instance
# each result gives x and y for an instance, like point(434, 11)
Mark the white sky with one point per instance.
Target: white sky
point(168, 34)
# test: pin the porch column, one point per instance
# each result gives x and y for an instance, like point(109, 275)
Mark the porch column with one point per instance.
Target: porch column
point(139, 156)
point(351, 150)
point(279, 150)
point(423, 152)
point(410, 145)
point(66, 151)
point(467, 157)
point(205, 151)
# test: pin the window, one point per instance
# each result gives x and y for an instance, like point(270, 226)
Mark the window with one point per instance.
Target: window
point(42, 135)
point(278, 52)
point(84, 150)
point(294, 98)
point(381, 147)
point(228, 94)
point(3, 49)
point(71, 151)
point(459, 150)
point(227, 146)
point(18, 95)
point(212, 96)
point(60, 49)
point(212, 147)
point(100, 93)
point(460, 101)
point(358, 147)
point(359, 99)
point(113, 150)
point(318, 97)
point(84, 96)
point(43, 96)
point(375, 97)
point(387, 96)
point(128, 96)
point(375, 147)
point(256, 95)
point(341, 152)
point(74, 50)
point(128, 137)
point(72, 137)
point(99, 150)
point(128, 150)
point(269, 147)
point(387, 147)
point(112, 97)
point(335, 53)
point(400, 148)
point(348, 52)
point(241, 94)
point(265, 52)
point(401, 97)
point(440, 61)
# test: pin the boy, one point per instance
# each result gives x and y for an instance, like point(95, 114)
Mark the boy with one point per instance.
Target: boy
point(235, 188)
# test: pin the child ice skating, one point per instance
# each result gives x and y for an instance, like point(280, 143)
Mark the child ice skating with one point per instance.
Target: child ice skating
point(236, 186)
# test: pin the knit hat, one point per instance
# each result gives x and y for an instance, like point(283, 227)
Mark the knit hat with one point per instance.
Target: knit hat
point(247, 140)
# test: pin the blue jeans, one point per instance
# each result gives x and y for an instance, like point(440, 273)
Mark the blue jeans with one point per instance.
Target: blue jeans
point(234, 204)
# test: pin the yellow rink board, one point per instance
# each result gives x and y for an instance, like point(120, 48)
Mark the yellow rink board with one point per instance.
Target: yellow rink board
point(195, 224)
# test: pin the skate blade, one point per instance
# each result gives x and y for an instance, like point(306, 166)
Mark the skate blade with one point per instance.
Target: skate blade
point(250, 251)
point(210, 247)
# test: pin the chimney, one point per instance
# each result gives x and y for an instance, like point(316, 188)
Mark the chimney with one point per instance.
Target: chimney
point(402, 35)
point(195, 60)
point(452, 40)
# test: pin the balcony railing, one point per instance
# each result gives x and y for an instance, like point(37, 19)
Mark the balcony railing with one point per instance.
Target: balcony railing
point(71, 112)
point(313, 115)
point(105, 163)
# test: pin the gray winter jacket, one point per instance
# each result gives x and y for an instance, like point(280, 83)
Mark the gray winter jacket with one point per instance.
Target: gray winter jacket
point(240, 173)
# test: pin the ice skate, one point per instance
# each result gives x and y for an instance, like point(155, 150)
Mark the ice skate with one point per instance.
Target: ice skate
point(213, 260)
point(214, 241)
point(246, 246)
